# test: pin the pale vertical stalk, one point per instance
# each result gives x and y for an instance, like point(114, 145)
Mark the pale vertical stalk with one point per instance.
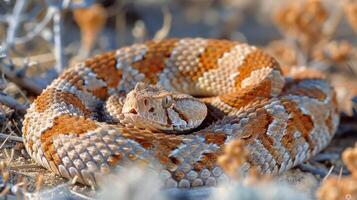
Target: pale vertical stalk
point(58, 40)
point(14, 21)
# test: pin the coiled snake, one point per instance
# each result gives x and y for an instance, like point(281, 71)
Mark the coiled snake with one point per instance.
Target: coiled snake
point(83, 126)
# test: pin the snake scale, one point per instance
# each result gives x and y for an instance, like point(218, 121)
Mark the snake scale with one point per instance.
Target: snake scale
point(282, 120)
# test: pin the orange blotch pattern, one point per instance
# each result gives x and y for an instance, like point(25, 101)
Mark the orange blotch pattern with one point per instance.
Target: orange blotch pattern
point(51, 96)
point(214, 50)
point(309, 92)
point(254, 61)
point(248, 95)
point(44, 101)
point(30, 143)
point(298, 122)
point(288, 141)
point(73, 78)
point(210, 159)
point(215, 138)
point(25, 128)
point(62, 125)
point(104, 66)
point(153, 61)
point(162, 142)
point(101, 93)
point(312, 92)
point(72, 99)
point(207, 160)
point(257, 128)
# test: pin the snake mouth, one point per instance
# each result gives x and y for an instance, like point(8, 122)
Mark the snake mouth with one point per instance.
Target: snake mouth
point(147, 123)
point(137, 118)
point(133, 111)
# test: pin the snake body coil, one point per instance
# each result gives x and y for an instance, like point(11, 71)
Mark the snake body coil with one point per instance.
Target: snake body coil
point(282, 121)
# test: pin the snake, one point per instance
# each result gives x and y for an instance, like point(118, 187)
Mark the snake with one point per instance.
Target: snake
point(173, 105)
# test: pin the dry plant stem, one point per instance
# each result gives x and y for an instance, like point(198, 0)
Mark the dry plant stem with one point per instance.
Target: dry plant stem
point(17, 128)
point(22, 81)
point(38, 59)
point(58, 51)
point(28, 16)
point(341, 187)
point(12, 103)
point(166, 26)
point(17, 16)
point(9, 156)
point(6, 139)
point(37, 29)
point(11, 137)
point(329, 173)
point(14, 20)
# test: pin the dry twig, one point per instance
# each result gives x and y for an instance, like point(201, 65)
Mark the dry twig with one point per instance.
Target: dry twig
point(10, 137)
point(24, 82)
point(166, 26)
point(12, 103)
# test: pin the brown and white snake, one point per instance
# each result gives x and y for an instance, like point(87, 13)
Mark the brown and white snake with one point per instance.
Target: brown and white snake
point(79, 127)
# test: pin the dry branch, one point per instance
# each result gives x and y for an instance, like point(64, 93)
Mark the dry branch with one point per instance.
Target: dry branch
point(166, 26)
point(12, 103)
point(10, 137)
point(22, 81)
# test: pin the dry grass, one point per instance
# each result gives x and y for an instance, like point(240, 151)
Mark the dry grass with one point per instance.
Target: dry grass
point(337, 187)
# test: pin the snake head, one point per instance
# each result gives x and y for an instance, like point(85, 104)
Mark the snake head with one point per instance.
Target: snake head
point(152, 107)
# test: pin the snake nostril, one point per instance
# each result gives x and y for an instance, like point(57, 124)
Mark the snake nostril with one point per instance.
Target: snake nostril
point(133, 111)
point(151, 109)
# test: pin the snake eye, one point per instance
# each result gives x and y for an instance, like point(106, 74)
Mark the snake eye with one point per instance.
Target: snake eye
point(167, 101)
